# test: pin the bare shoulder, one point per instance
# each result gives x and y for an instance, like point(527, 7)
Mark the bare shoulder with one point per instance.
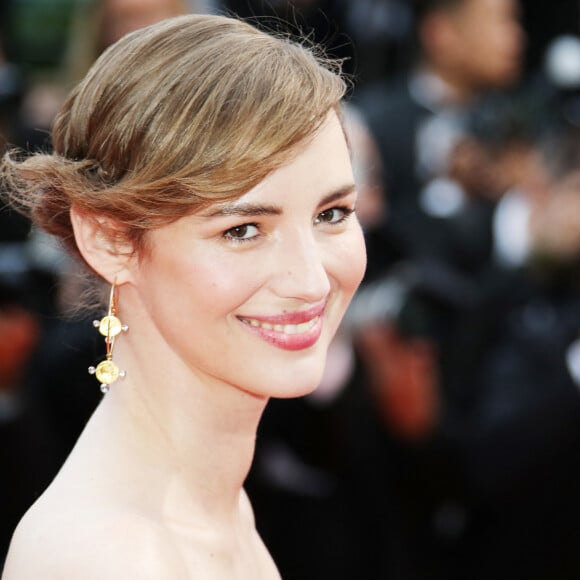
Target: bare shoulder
point(74, 541)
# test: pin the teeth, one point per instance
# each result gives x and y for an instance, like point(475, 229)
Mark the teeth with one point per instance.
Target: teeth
point(285, 328)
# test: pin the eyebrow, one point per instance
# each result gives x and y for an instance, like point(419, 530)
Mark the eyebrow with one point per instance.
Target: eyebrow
point(337, 195)
point(253, 209)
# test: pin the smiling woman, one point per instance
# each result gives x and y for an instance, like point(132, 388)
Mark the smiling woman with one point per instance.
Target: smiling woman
point(201, 170)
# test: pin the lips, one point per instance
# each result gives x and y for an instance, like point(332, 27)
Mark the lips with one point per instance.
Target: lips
point(290, 330)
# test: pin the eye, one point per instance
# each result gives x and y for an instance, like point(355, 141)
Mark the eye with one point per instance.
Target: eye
point(243, 233)
point(334, 215)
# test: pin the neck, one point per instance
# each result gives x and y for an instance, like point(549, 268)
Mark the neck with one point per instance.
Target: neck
point(176, 442)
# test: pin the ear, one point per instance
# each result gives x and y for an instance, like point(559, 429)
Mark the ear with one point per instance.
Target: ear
point(101, 246)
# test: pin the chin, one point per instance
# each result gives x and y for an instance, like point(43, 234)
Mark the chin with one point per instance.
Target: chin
point(295, 391)
point(298, 381)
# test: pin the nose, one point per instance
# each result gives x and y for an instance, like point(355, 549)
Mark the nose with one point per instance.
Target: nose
point(300, 273)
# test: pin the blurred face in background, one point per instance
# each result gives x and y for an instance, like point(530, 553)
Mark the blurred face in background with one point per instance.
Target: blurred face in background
point(493, 39)
point(123, 16)
point(477, 44)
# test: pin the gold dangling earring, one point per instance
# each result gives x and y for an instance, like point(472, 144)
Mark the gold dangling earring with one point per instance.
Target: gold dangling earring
point(107, 372)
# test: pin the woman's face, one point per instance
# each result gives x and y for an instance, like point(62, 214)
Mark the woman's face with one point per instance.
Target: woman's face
point(250, 293)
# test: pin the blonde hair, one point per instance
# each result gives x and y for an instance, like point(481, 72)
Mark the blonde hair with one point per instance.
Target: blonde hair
point(191, 111)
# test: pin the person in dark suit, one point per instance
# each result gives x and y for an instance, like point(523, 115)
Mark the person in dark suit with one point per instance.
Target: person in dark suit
point(463, 49)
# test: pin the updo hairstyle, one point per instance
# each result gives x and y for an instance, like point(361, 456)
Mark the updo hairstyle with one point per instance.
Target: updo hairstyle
point(191, 111)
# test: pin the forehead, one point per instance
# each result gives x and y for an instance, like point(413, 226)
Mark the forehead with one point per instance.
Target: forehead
point(320, 163)
point(318, 167)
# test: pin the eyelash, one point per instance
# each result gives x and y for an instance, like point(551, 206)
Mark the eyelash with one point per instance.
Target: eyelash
point(231, 238)
point(345, 212)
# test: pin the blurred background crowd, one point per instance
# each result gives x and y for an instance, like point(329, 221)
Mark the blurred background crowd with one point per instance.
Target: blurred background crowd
point(444, 440)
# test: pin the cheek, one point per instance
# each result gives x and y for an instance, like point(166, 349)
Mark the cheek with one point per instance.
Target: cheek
point(221, 284)
point(349, 261)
